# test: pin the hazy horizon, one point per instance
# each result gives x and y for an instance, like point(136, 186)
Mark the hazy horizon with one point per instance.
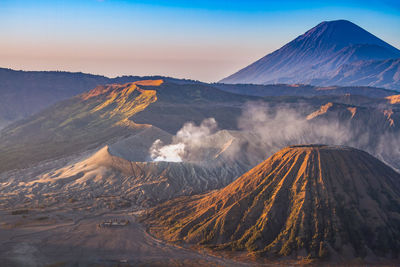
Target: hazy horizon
point(289, 159)
point(202, 40)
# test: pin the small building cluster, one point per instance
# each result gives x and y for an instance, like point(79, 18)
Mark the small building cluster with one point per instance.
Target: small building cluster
point(114, 223)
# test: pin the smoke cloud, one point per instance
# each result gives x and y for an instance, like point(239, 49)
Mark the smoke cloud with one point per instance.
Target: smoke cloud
point(388, 149)
point(172, 152)
point(264, 129)
point(187, 144)
point(277, 127)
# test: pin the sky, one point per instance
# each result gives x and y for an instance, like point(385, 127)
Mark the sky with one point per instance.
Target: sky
point(202, 40)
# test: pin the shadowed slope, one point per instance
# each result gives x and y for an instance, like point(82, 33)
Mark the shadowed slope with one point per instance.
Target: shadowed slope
point(317, 57)
point(378, 73)
point(314, 201)
point(23, 93)
point(77, 124)
point(110, 113)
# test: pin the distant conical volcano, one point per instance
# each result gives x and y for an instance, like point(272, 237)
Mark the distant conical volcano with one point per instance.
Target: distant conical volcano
point(310, 201)
point(316, 56)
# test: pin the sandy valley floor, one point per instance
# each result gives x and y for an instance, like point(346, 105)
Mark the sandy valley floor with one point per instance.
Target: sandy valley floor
point(74, 238)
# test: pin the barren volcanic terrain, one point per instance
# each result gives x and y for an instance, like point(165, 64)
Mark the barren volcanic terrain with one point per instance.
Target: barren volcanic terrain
point(304, 202)
point(106, 156)
point(293, 160)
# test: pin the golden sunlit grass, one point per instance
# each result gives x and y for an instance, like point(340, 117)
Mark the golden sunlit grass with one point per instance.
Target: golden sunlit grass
point(149, 82)
point(393, 99)
point(352, 110)
point(388, 114)
point(127, 101)
point(322, 110)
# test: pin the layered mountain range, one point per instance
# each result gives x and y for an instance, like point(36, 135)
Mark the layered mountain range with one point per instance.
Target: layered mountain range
point(23, 93)
point(82, 157)
point(100, 143)
point(92, 154)
point(110, 113)
point(332, 53)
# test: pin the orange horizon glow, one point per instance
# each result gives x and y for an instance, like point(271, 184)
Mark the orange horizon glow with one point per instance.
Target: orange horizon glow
point(201, 40)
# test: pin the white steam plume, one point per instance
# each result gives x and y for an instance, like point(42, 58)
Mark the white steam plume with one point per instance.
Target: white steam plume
point(265, 129)
point(186, 144)
point(277, 127)
point(161, 152)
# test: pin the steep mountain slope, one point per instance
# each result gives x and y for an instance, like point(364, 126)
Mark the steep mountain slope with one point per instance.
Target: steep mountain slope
point(109, 113)
point(378, 73)
point(23, 93)
point(316, 55)
point(74, 125)
point(311, 201)
point(369, 126)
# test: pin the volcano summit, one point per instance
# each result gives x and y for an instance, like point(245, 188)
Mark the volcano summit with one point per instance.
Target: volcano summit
point(307, 201)
point(331, 53)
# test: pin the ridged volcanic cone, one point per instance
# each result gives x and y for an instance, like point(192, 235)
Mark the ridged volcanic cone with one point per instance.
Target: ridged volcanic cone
point(311, 201)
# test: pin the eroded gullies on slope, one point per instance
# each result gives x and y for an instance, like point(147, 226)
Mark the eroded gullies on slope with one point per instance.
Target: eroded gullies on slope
point(305, 201)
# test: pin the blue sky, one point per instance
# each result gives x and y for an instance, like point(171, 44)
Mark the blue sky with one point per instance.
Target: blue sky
point(203, 40)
